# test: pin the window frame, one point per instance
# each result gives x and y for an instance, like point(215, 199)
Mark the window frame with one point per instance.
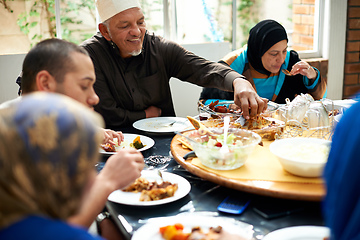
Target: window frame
point(318, 27)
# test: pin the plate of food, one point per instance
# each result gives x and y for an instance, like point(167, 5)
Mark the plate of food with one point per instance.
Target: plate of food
point(299, 232)
point(139, 142)
point(150, 189)
point(192, 226)
point(162, 124)
point(268, 128)
point(215, 108)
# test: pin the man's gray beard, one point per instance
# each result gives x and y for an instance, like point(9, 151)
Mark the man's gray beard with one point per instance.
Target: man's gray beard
point(136, 53)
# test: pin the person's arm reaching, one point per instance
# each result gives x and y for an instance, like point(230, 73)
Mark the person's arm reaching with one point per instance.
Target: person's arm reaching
point(119, 171)
point(210, 74)
point(246, 98)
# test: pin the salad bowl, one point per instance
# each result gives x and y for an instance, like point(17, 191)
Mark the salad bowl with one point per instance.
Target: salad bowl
point(207, 144)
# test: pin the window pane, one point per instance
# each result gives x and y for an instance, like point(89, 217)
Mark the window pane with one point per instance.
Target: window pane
point(190, 21)
point(298, 19)
point(154, 15)
point(203, 21)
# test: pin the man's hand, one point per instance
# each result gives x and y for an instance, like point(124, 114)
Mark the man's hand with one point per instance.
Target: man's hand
point(109, 135)
point(121, 169)
point(153, 111)
point(246, 98)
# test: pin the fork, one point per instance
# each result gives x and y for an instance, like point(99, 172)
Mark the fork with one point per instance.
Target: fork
point(170, 124)
point(241, 120)
point(160, 174)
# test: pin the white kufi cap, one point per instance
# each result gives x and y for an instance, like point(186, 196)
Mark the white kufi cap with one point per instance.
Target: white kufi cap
point(109, 8)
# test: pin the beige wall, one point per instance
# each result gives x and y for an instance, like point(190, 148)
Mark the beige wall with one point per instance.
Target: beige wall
point(10, 67)
point(12, 39)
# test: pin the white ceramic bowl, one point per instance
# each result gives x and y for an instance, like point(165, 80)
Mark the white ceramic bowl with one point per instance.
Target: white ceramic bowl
point(210, 156)
point(305, 157)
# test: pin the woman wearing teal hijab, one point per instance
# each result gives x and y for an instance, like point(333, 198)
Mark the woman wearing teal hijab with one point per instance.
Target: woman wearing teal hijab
point(48, 149)
point(262, 60)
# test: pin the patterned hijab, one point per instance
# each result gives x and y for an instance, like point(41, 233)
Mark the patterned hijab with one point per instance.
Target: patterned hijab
point(48, 148)
point(262, 37)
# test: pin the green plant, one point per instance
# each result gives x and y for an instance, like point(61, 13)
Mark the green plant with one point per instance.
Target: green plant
point(5, 4)
point(41, 15)
point(247, 15)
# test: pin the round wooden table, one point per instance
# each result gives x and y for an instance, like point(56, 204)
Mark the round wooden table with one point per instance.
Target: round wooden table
point(296, 191)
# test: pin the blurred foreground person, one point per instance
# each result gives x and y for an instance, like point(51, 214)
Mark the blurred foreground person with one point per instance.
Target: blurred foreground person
point(342, 202)
point(48, 149)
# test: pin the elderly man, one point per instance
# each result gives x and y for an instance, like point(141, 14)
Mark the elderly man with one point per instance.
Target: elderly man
point(55, 65)
point(133, 69)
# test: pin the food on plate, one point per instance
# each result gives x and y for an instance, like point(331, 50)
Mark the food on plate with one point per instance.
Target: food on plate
point(176, 232)
point(257, 122)
point(152, 191)
point(136, 143)
point(334, 112)
point(108, 147)
point(265, 124)
point(268, 128)
point(185, 143)
point(216, 107)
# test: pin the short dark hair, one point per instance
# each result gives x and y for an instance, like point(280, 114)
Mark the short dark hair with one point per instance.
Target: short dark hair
point(52, 55)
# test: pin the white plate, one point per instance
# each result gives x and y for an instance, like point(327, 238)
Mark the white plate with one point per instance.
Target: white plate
point(299, 233)
point(148, 142)
point(150, 231)
point(129, 198)
point(161, 124)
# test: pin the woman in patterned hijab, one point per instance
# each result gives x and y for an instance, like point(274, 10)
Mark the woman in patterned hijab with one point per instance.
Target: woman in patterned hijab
point(48, 149)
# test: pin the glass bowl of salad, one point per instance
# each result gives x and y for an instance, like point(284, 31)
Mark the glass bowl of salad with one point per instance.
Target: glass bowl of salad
point(207, 144)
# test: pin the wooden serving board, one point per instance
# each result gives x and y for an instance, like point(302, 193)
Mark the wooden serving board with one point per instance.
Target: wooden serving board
point(286, 190)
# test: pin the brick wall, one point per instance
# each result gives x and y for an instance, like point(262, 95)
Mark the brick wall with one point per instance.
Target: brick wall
point(303, 12)
point(352, 50)
point(303, 33)
point(321, 64)
point(303, 20)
